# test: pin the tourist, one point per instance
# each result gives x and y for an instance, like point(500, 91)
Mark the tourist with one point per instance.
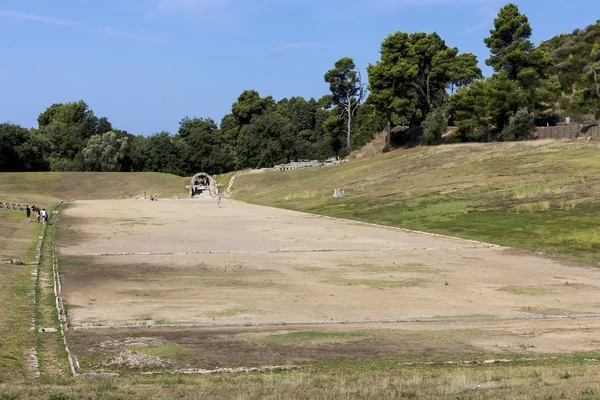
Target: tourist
point(219, 200)
point(28, 213)
point(44, 216)
point(37, 215)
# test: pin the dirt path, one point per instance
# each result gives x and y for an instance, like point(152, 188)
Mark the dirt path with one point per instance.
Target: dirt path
point(138, 262)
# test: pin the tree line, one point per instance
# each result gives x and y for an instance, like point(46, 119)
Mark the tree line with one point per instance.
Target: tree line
point(419, 82)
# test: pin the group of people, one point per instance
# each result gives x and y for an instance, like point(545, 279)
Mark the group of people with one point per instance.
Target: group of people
point(40, 214)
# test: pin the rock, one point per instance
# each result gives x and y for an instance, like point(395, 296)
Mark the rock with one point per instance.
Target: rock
point(17, 262)
point(48, 330)
point(132, 358)
point(5, 260)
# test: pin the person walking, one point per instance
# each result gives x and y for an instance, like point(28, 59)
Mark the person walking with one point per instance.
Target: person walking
point(28, 213)
point(219, 200)
point(37, 215)
point(44, 216)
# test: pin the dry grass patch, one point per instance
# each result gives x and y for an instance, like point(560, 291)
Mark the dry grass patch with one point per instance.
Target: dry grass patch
point(546, 311)
point(312, 270)
point(230, 312)
point(373, 283)
point(48, 187)
point(310, 338)
point(527, 290)
point(415, 268)
point(166, 351)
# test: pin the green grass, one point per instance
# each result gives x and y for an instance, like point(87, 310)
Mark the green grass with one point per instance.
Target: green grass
point(400, 268)
point(167, 351)
point(548, 311)
point(230, 312)
point(47, 187)
point(373, 283)
point(312, 270)
point(535, 196)
point(528, 290)
point(237, 283)
point(223, 180)
point(303, 338)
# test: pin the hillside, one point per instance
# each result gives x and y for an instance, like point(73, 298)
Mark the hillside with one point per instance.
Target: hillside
point(572, 54)
point(540, 196)
point(47, 187)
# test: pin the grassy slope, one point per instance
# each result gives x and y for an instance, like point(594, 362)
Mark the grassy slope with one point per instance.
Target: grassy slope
point(539, 196)
point(47, 187)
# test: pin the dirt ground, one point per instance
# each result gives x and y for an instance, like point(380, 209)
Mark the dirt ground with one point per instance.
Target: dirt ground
point(249, 264)
point(440, 343)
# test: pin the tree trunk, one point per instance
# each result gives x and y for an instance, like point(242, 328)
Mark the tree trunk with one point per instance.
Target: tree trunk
point(597, 84)
point(388, 139)
point(349, 139)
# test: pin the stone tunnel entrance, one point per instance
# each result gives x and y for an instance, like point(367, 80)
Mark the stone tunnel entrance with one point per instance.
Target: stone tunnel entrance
point(202, 183)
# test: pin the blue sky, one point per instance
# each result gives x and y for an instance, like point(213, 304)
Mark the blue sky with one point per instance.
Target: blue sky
point(146, 64)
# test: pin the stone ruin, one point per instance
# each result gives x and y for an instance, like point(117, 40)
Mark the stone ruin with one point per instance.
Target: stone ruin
point(12, 206)
point(300, 164)
point(201, 184)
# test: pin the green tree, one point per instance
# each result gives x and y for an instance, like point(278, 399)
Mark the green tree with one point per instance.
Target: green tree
point(22, 149)
point(470, 111)
point(161, 154)
point(521, 126)
point(105, 152)
point(299, 111)
point(414, 74)
point(433, 127)
point(347, 91)
point(267, 141)
point(367, 123)
point(103, 125)
point(249, 105)
point(68, 127)
point(513, 55)
point(202, 147)
point(587, 97)
point(64, 113)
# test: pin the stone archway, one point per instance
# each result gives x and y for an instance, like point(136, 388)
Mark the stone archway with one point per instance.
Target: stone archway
point(203, 183)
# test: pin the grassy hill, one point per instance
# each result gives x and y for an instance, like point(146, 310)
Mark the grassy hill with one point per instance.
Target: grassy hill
point(572, 53)
point(48, 187)
point(541, 196)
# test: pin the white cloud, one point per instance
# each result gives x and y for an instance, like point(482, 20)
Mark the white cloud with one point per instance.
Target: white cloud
point(17, 15)
point(37, 18)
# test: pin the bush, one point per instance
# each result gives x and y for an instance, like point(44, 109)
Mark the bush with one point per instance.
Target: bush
point(345, 152)
point(521, 126)
point(61, 164)
point(433, 127)
point(452, 139)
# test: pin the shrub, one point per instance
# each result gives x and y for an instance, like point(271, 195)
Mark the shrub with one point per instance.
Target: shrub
point(433, 127)
point(521, 126)
point(345, 152)
point(61, 164)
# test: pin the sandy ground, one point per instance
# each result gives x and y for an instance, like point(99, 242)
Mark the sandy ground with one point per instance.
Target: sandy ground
point(248, 264)
point(245, 263)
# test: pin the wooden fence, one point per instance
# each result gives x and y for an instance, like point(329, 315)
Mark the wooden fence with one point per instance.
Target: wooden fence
point(566, 132)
